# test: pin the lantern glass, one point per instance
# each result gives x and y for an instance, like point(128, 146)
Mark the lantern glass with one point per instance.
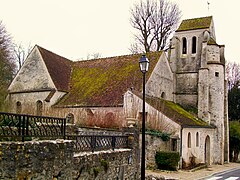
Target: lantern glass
point(144, 64)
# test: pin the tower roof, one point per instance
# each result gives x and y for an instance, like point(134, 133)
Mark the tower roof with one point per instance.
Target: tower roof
point(196, 23)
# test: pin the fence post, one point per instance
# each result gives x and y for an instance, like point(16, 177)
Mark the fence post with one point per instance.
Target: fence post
point(27, 125)
point(113, 142)
point(93, 143)
point(19, 124)
point(64, 128)
point(22, 118)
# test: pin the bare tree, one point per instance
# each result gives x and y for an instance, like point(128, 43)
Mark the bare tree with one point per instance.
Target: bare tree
point(21, 53)
point(155, 21)
point(7, 65)
point(90, 56)
point(233, 74)
point(94, 56)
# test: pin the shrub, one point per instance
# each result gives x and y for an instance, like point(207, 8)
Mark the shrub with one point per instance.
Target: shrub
point(163, 135)
point(105, 164)
point(167, 160)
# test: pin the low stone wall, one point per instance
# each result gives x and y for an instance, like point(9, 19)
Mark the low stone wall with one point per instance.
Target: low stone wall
point(56, 160)
point(36, 160)
point(118, 164)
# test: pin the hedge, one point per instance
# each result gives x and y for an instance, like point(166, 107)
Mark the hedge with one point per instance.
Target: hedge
point(167, 160)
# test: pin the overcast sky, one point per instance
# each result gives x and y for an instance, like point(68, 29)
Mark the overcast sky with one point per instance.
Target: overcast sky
point(76, 28)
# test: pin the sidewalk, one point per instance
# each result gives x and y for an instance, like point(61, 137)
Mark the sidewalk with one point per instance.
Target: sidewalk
point(196, 175)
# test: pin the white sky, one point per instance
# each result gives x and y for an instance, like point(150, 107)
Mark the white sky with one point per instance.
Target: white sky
point(76, 28)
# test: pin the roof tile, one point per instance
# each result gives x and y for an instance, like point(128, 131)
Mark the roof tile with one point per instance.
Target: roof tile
point(196, 23)
point(58, 67)
point(174, 112)
point(102, 82)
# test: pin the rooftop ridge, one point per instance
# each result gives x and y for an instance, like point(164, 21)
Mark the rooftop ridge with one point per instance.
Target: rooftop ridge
point(195, 23)
point(203, 17)
point(60, 75)
point(111, 57)
point(52, 52)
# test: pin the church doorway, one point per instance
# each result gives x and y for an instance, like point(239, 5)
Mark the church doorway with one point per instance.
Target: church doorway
point(207, 150)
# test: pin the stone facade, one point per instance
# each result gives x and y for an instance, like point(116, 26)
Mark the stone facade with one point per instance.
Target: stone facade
point(199, 64)
point(192, 75)
point(56, 160)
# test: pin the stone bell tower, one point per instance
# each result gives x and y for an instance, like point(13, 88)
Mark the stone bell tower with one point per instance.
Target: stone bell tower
point(198, 64)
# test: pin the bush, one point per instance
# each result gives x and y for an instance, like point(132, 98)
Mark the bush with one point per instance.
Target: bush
point(163, 135)
point(167, 160)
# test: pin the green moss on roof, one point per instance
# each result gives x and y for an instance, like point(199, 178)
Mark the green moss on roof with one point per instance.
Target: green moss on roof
point(196, 23)
point(212, 42)
point(102, 82)
point(176, 112)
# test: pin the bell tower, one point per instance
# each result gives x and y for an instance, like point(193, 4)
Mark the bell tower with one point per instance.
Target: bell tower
point(198, 64)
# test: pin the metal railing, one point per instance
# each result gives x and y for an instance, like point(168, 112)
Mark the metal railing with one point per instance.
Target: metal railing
point(20, 127)
point(93, 143)
point(23, 127)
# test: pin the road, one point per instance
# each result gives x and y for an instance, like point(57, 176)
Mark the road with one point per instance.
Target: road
point(228, 175)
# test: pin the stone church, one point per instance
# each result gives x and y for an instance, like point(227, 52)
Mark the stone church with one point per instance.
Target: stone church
point(186, 92)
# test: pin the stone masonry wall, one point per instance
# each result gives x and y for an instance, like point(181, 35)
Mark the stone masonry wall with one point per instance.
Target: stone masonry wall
point(36, 160)
point(104, 165)
point(57, 160)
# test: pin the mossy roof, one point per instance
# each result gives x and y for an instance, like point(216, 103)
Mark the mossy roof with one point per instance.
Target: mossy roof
point(211, 41)
point(102, 82)
point(196, 23)
point(175, 112)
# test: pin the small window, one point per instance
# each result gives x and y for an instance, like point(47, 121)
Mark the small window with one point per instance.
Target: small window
point(217, 74)
point(194, 45)
point(163, 95)
point(189, 140)
point(184, 45)
point(18, 107)
point(174, 145)
point(197, 139)
point(39, 105)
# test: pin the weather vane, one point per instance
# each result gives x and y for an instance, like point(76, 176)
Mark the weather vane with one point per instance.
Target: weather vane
point(208, 3)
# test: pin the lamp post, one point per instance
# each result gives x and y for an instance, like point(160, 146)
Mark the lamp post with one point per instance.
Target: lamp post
point(144, 65)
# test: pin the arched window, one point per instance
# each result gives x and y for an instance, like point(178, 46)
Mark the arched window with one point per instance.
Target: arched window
point(189, 140)
point(197, 139)
point(39, 105)
point(194, 44)
point(18, 107)
point(70, 118)
point(163, 95)
point(184, 45)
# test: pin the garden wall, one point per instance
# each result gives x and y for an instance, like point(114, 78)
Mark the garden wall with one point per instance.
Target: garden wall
point(57, 160)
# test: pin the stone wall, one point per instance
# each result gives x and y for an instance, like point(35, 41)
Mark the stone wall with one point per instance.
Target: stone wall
point(36, 160)
point(57, 160)
point(118, 164)
point(154, 144)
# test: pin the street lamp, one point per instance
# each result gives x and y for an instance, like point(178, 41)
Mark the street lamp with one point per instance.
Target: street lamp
point(144, 65)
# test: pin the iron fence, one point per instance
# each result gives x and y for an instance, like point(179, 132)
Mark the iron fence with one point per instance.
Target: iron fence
point(20, 127)
point(24, 127)
point(99, 142)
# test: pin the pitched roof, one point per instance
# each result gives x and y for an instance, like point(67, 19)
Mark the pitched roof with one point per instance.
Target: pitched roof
point(196, 23)
point(102, 82)
point(211, 41)
point(174, 112)
point(58, 67)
